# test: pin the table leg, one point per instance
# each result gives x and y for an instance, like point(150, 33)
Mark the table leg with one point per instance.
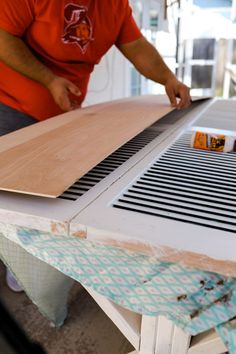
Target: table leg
point(160, 336)
point(46, 286)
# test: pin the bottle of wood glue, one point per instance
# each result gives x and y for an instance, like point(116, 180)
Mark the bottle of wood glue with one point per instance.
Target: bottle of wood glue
point(212, 142)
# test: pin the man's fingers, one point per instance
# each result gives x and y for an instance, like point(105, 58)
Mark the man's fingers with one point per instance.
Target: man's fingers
point(175, 89)
point(185, 98)
point(60, 89)
point(73, 89)
point(64, 102)
point(172, 97)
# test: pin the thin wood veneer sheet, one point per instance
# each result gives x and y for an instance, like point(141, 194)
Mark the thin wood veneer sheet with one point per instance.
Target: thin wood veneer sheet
point(47, 158)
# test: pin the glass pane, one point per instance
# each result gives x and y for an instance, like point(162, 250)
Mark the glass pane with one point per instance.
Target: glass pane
point(203, 48)
point(135, 82)
point(234, 52)
point(202, 76)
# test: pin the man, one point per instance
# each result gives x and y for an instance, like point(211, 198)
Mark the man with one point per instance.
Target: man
point(48, 49)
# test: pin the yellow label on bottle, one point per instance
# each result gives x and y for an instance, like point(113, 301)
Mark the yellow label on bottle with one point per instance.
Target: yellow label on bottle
point(206, 141)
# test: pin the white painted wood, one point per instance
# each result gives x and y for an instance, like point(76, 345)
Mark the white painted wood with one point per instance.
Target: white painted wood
point(207, 343)
point(164, 335)
point(220, 115)
point(148, 335)
point(37, 212)
point(228, 64)
point(55, 215)
point(103, 222)
point(66, 217)
point(128, 322)
point(180, 341)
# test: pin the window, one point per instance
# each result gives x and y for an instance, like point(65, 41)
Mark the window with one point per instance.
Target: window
point(135, 82)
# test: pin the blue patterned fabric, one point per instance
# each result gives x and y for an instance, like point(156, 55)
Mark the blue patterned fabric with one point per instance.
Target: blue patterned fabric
point(227, 332)
point(193, 299)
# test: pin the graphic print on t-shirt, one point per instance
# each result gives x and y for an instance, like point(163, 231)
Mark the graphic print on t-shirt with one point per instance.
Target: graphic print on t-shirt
point(77, 26)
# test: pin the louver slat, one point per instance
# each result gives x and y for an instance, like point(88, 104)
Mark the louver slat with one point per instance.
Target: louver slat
point(196, 186)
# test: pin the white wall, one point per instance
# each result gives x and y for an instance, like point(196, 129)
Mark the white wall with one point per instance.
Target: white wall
point(110, 79)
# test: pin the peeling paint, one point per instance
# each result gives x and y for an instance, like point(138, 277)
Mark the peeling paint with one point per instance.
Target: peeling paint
point(59, 228)
point(80, 234)
point(186, 258)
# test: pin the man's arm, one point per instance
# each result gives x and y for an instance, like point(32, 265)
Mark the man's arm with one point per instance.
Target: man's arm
point(15, 53)
point(149, 63)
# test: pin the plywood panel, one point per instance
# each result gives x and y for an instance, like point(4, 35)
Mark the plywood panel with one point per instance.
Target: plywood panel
point(48, 157)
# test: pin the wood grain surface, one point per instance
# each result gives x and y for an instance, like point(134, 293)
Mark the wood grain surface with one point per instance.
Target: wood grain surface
point(48, 157)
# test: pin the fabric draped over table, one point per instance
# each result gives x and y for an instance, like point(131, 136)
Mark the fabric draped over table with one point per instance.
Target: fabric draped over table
point(194, 300)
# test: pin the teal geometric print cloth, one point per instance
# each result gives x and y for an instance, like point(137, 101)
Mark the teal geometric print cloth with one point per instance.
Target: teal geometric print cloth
point(227, 332)
point(194, 300)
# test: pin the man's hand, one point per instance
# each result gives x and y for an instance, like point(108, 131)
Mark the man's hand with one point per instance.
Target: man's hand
point(60, 89)
point(176, 89)
point(149, 63)
point(15, 53)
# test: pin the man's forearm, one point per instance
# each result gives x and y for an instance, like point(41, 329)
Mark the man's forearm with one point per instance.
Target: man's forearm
point(149, 63)
point(147, 60)
point(15, 53)
point(149, 70)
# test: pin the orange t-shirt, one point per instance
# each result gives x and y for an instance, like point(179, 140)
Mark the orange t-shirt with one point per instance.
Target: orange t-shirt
point(69, 37)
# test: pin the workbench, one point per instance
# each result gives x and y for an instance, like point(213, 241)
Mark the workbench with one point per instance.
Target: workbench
point(120, 254)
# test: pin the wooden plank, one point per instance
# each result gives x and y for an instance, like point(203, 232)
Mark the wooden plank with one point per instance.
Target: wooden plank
point(148, 335)
point(207, 343)
point(164, 335)
point(128, 322)
point(180, 341)
point(47, 158)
